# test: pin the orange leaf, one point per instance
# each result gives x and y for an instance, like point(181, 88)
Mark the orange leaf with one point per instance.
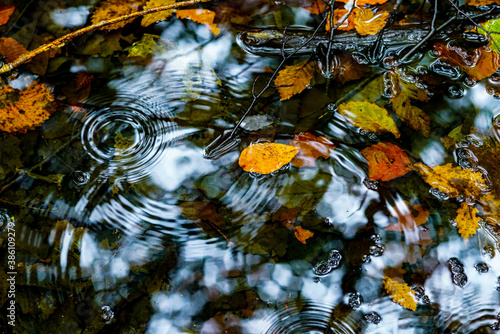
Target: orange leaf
point(386, 161)
point(302, 234)
point(83, 80)
point(338, 16)
point(400, 293)
point(482, 2)
point(23, 110)
point(5, 12)
point(296, 78)
point(311, 148)
point(368, 23)
point(467, 220)
point(317, 7)
point(203, 16)
point(113, 8)
point(265, 158)
point(11, 48)
point(407, 221)
point(479, 63)
point(155, 17)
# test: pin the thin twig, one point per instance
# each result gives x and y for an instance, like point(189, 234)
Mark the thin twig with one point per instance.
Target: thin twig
point(60, 42)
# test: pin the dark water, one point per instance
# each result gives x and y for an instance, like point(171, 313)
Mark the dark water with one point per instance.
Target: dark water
point(124, 225)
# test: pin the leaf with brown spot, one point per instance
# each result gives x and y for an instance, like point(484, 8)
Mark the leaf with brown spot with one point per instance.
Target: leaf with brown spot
point(367, 22)
point(407, 220)
point(467, 220)
point(479, 63)
point(386, 161)
point(11, 48)
point(302, 234)
point(265, 158)
point(203, 16)
point(26, 109)
point(294, 79)
point(400, 293)
point(311, 148)
point(155, 17)
point(5, 12)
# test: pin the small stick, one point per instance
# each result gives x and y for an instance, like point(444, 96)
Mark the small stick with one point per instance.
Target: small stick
point(60, 42)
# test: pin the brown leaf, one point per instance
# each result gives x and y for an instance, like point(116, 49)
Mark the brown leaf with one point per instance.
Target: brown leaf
point(467, 220)
point(5, 12)
point(302, 234)
point(23, 110)
point(311, 148)
point(386, 161)
point(203, 16)
point(11, 48)
point(479, 63)
point(265, 158)
point(296, 78)
point(367, 22)
point(408, 221)
point(317, 7)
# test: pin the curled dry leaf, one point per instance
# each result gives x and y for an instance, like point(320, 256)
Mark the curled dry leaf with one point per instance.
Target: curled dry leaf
point(467, 220)
point(400, 293)
point(479, 63)
point(23, 110)
point(369, 116)
point(110, 9)
point(203, 16)
point(294, 79)
point(5, 12)
point(386, 161)
point(302, 234)
point(11, 48)
point(367, 22)
point(311, 148)
point(155, 17)
point(265, 158)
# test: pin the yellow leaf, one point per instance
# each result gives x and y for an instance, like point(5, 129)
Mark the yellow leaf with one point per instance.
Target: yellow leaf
point(482, 2)
point(110, 9)
point(265, 158)
point(23, 110)
point(411, 115)
point(400, 293)
point(155, 17)
point(203, 16)
point(296, 78)
point(452, 180)
point(369, 116)
point(368, 23)
point(302, 234)
point(467, 220)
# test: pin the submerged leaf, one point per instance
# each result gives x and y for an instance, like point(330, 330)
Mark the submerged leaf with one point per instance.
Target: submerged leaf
point(11, 48)
point(5, 12)
point(296, 78)
point(311, 148)
point(409, 221)
point(203, 16)
point(467, 220)
point(400, 293)
point(369, 116)
point(411, 115)
point(159, 16)
point(265, 158)
point(386, 161)
point(302, 234)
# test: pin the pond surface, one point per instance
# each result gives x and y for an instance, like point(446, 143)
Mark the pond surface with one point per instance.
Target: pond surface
point(129, 217)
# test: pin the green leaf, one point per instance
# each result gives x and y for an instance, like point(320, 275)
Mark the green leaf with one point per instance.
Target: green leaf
point(493, 27)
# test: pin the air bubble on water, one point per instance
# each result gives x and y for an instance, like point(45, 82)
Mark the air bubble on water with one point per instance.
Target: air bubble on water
point(80, 178)
point(456, 91)
point(371, 184)
point(373, 318)
point(375, 238)
point(439, 194)
point(366, 258)
point(331, 107)
point(322, 268)
point(355, 300)
point(481, 267)
point(372, 136)
point(317, 279)
point(488, 251)
point(459, 279)
point(106, 313)
point(474, 140)
point(377, 250)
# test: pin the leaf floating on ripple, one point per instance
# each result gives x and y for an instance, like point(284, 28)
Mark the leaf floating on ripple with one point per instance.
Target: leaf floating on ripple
point(386, 161)
point(400, 293)
point(467, 220)
point(369, 116)
point(296, 78)
point(265, 158)
point(203, 16)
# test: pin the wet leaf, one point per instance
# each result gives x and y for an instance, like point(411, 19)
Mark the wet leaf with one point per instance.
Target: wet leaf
point(11, 48)
point(311, 148)
point(265, 158)
point(369, 116)
point(317, 7)
point(302, 234)
point(339, 15)
point(54, 178)
point(407, 220)
point(386, 161)
point(467, 220)
point(24, 110)
point(479, 63)
point(146, 47)
point(114, 8)
point(5, 12)
point(367, 22)
point(493, 27)
point(482, 2)
point(122, 143)
point(400, 293)
point(203, 16)
point(155, 17)
point(296, 78)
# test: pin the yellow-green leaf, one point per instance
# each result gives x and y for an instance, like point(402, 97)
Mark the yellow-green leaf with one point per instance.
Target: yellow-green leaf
point(265, 158)
point(411, 115)
point(294, 79)
point(400, 293)
point(467, 220)
point(369, 116)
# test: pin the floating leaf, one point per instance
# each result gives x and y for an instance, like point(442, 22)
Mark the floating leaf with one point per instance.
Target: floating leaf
point(5, 12)
point(365, 2)
point(146, 47)
point(23, 110)
point(296, 78)
point(411, 115)
point(400, 293)
point(493, 27)
point(367, 22)
point(317, 7)
point(265, 158)
point(467, 220)
point(482, 2)
point(369, 116)
point(11, 48)
point(155, 17)
point(302, 234)
point(339, 15)
point(110, 9)
point(203, 16)
point(479, 63)
point(407, 220)
point(386, 161)
point(311, 148)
